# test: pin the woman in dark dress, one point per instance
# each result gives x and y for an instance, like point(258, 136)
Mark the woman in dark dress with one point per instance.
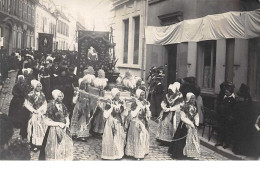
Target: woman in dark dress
point(16, 104)
point(186, 140)
point(242, 118)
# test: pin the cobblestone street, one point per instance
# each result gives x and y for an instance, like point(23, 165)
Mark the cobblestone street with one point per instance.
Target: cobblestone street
point(91, 149)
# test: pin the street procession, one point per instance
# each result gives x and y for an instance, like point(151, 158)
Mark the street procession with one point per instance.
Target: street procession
point(145, 80)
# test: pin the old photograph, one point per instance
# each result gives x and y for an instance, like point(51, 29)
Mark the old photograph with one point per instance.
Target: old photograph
point(130, 80)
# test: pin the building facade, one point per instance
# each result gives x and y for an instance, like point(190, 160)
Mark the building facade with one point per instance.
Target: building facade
point(211, 62)
point(45, 21)
point(53, 20)
point(17, 24)
point(128, 34)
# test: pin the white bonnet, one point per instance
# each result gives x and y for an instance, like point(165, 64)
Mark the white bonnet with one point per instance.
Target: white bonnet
point(114, 92)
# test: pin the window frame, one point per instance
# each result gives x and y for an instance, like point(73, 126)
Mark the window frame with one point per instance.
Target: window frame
point(138, 41)
point(126, 42)
point(252, 67)
point(200, 65)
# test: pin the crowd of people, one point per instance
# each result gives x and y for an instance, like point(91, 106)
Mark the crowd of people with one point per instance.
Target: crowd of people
point(52, 107)
point(236, 125)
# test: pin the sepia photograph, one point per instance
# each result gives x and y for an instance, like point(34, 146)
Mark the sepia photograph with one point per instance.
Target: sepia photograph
point(130, 80)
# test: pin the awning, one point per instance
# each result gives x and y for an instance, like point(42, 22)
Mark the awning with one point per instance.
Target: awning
point(243, 25)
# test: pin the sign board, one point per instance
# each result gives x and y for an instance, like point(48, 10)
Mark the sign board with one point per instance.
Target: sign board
point(45, 43)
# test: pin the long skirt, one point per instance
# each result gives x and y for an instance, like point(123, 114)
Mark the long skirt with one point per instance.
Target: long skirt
point(192, 147)
point(156, 100)
point(36, 129)
point(15, 112)
point(57, 145)
point(80, 120)
point(179, 142)
point(97, 122)
point(46, 87)
point(113, 140)
point(137, 144)
point(165, 130)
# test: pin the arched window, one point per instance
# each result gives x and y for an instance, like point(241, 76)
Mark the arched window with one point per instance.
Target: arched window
point(19, 37)
point(14, 37)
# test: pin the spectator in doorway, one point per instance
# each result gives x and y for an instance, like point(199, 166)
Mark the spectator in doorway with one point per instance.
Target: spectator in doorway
point(242, 117)
point(225, 119)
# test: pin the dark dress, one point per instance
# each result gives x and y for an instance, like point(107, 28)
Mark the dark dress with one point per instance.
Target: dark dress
point(179, 141)
point(46, 83)
point(54, 71)
point(16, 106)
point(225, 120)
point(155, 97)
point(242, 127)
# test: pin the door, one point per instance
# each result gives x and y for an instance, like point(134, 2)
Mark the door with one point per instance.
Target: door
point(171, 67)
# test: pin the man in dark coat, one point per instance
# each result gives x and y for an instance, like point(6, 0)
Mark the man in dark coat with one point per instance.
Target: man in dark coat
point(225, 117)
point(4, 64)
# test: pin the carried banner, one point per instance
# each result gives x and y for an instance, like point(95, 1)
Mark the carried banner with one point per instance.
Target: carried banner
point(45, 43)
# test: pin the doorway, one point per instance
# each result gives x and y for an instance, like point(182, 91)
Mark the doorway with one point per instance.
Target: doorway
point(7, 38)
point(172, 63)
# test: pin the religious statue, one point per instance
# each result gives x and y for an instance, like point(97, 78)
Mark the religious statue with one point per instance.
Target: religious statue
point(45, 42)
point(92, 54)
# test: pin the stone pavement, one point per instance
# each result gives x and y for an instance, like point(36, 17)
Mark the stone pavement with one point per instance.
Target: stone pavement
point(91, 149)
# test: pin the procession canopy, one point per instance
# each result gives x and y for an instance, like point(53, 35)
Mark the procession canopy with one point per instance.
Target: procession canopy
point(242, 25)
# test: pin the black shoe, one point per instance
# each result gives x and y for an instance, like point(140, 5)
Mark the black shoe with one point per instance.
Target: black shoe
point(225, 146)
point(218, 144)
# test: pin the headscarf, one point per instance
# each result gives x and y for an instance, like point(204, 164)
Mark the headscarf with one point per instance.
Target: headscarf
point(29, 70)
point(91, 70)
point(101, 73)
point(55, 94)
point(114, 92)
point(34, 83)
point(20, 77)
point(138, 93)
point(175, 86)
point(85, 72)
point(188, 96)
point(25, 69)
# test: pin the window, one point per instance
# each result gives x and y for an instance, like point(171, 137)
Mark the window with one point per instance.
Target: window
point(24, 12)
point(19, 40)
point(207, 64)
point(29, 13)
point(14, 39)
point(33, 13)
point(136, 39)
point(254, 67)
point(230, 48)
point(126, 30)
point(20, 9)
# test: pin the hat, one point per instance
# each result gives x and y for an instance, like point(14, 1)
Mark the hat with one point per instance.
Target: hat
point(34, 83)
point(189, 95)
point(56, 93)
point(175, 86)
point(20, 77)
